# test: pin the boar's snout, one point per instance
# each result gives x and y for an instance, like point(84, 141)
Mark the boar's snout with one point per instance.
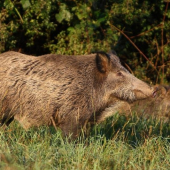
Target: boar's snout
point(142, 90)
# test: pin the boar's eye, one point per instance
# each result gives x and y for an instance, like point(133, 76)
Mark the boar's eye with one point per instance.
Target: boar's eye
point(119, 73)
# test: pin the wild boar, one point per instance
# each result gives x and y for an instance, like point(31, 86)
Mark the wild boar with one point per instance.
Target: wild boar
point(61, 90)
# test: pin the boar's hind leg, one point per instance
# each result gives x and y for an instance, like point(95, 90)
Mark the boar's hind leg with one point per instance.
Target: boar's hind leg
point(6, 120)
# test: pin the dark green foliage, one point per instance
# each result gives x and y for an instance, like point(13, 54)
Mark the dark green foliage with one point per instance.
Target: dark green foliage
point(79, 27)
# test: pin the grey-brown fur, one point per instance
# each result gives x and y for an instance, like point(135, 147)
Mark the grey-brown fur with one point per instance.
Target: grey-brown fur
point(63, 90)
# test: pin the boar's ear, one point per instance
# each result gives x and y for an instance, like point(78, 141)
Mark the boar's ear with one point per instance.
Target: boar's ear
point(102, 62)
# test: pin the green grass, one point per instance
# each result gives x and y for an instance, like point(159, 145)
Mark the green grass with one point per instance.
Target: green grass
point(119, 143)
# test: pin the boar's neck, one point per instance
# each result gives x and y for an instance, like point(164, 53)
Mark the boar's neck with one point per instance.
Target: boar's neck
point(99, 100)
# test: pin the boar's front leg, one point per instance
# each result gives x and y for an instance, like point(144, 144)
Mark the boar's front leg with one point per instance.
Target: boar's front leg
point(71, 127)
point(117, 107)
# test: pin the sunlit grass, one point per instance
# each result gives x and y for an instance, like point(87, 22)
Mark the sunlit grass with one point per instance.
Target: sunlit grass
point(118, 143)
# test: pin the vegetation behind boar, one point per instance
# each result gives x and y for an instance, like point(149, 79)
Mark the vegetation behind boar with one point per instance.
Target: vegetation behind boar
point(65, 91)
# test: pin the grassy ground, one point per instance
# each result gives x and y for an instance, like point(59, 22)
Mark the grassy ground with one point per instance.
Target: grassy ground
point(119, 143)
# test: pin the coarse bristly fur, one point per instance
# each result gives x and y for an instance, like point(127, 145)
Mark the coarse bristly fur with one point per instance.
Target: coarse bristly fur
point(63, 90)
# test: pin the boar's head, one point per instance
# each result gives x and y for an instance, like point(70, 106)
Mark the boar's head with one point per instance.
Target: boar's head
point(119, 82)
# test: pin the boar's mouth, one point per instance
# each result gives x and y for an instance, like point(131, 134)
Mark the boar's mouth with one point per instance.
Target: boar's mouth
point(154, 93)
